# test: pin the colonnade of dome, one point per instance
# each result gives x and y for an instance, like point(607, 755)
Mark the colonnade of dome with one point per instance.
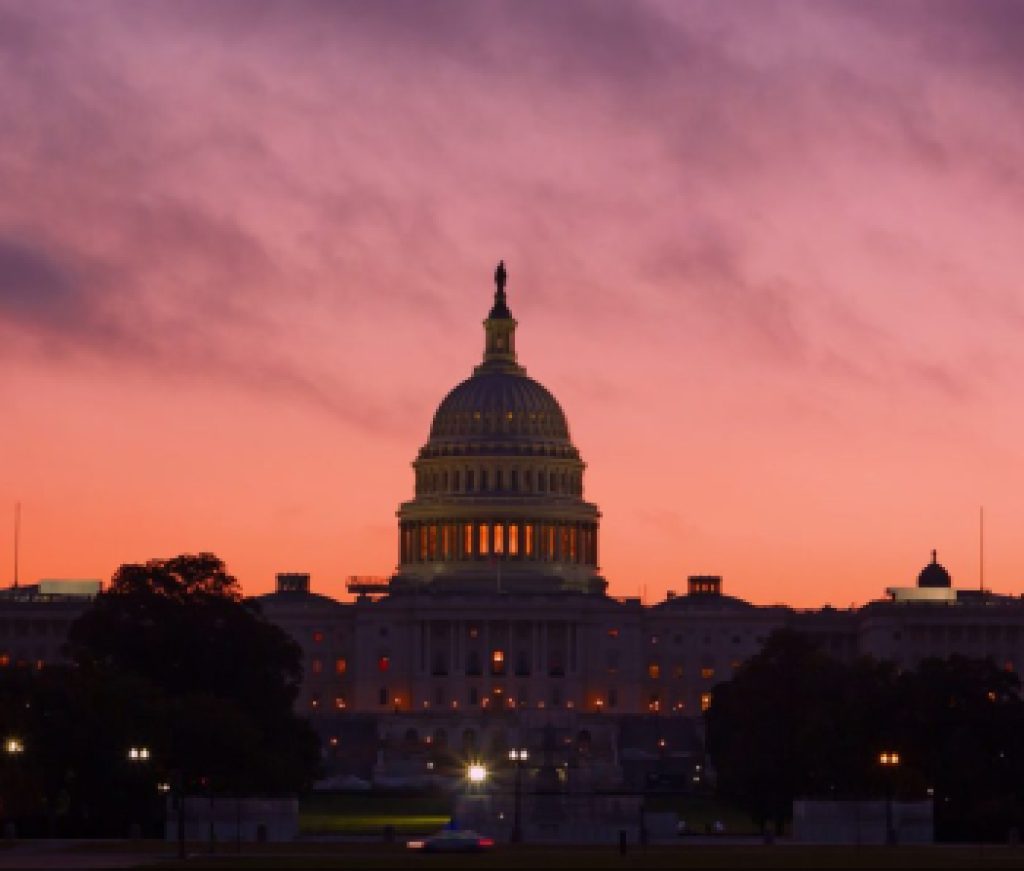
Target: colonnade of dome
point(499, 485)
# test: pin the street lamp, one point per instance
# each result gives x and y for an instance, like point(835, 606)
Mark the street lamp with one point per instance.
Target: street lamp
point(477, 773)
point(518, 755)
point(14, 746)
point(889, 760)
point(138, 754)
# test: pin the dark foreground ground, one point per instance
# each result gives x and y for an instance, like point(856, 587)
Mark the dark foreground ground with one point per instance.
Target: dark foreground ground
point(686, 855)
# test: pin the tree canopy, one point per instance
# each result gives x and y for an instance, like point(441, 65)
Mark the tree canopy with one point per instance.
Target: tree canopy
point(171, 658)
point(794, 722)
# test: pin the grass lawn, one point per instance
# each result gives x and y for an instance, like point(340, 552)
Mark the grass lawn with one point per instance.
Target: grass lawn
point(370, 824)
point(371, 812)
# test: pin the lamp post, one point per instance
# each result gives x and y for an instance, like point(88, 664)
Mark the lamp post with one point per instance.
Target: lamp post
point(518, 755)
point(137, 755)
point(889, 760)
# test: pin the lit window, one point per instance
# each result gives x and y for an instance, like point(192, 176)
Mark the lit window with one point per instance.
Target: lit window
point(384, 663)
point(339, 703)
point(613, 633)
point(485, 545)
point(317, 666)
point(334, 740)
point(499, 538)
point(314, 702)
point(340, 665)
point(5, 660)
point(705, 701)
point(473, 631)
point(318, 636)
point(513, 540)
point(528, 543)
point(707, 672)
point(654, 671)
point(498, 657)
point(467, 539)
point(654, 705)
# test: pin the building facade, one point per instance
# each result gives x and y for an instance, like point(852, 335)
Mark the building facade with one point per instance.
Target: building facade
point(496, 626)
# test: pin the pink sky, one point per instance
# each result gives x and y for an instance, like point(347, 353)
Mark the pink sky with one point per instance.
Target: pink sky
point(766, 255)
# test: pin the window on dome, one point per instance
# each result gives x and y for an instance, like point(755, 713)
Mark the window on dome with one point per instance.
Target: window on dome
point(482, 536)
point(446, 542)
point(423, 543)
point(528, 540)
point(572, 544)
point(564, 543)
point(499, 538)
point(432, 542)
point(513, 539)
point(549, 543)
point(467, 539)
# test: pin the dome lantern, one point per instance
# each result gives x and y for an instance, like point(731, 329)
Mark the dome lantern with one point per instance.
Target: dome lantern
point(499, 329)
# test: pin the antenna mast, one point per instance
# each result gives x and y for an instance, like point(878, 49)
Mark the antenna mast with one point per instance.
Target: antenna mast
point(981, 548)
point(17, 537)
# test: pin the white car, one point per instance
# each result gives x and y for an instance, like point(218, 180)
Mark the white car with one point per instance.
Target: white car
point(453, 841)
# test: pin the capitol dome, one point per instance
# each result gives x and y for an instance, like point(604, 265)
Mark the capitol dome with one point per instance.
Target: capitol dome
point(499, 485)
point(503, 405)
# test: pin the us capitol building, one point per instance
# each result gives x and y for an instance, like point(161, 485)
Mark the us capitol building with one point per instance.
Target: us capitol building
point(496, 629)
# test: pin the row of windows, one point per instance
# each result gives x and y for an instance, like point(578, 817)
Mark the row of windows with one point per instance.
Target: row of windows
point(707, 672)
point(498, 480)
point(426, 542)
point(21, 628)
point(497, 699)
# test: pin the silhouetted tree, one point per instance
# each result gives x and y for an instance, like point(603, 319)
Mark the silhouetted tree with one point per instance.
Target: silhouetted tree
point(794, 722)
point(229, 676)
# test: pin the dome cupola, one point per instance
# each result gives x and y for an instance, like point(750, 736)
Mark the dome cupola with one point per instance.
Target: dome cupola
point(934, 574)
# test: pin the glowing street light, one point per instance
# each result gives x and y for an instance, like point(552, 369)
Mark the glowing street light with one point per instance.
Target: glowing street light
point(138, 754)
point(14, 746)
point(477, 773)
